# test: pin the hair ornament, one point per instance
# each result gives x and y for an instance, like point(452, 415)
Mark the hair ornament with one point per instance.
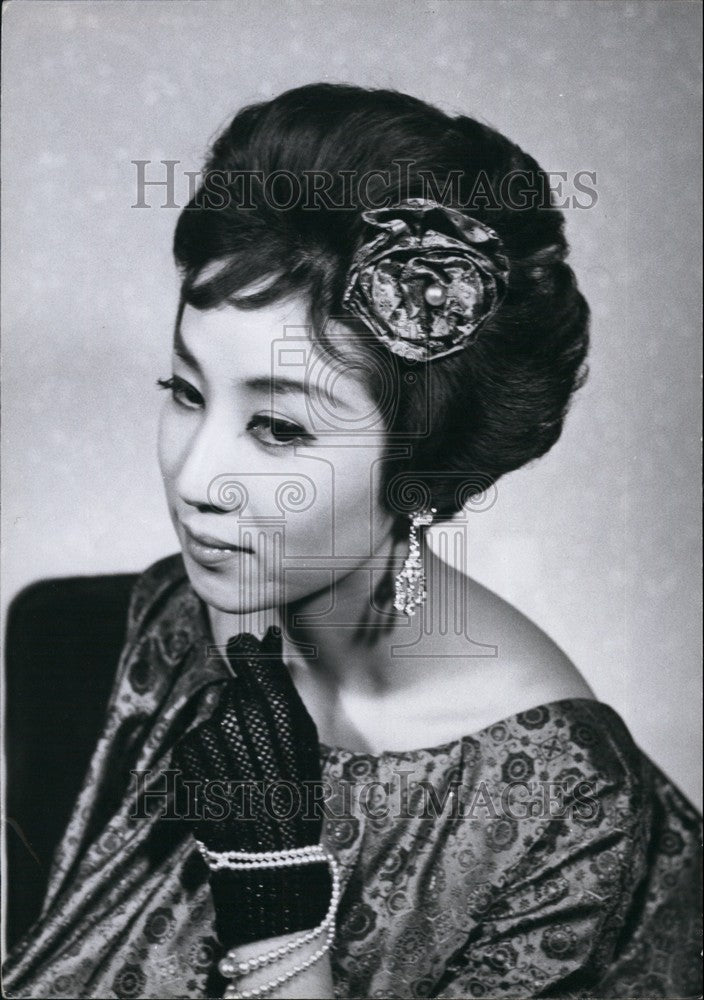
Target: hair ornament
point(427, 279)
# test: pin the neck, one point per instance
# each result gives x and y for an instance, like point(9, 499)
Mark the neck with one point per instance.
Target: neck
point(341, 635)
point(224, 624)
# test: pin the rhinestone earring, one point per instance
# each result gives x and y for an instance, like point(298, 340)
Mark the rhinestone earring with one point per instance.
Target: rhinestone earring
point(410, 582)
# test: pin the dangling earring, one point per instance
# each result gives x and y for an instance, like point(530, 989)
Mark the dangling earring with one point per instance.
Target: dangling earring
point(410, 582)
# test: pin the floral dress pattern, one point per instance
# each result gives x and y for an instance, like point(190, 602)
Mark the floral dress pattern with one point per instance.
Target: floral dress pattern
point(544, 856)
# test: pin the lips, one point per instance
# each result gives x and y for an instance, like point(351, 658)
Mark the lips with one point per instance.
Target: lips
point(209, 550)
point(211, 542)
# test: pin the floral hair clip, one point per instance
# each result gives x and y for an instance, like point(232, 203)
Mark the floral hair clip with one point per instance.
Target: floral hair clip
point(428, 280)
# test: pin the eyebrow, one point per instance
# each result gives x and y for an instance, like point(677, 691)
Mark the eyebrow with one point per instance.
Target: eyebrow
point(279, 385)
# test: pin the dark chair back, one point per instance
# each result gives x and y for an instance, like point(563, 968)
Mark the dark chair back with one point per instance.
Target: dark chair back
point(63, 643)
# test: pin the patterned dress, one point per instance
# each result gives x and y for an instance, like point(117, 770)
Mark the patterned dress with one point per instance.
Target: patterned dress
point(543, 856)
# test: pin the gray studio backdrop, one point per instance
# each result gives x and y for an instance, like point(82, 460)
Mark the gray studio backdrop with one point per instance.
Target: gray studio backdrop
point(598, 542)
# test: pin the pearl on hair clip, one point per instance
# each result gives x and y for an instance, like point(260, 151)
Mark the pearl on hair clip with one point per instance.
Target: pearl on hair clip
point(435, 295)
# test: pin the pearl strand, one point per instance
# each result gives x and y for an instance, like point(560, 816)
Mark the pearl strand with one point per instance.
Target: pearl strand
point(230, 967)
point(233, 994)
point(248, 860)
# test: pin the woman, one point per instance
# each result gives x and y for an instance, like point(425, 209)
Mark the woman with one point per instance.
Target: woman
point(333, 763)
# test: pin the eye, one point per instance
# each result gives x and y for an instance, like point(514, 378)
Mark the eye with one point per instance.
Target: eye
point(182, 392)
point(276, 433)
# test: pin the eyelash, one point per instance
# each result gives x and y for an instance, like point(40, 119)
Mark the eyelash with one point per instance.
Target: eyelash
point(294, 433)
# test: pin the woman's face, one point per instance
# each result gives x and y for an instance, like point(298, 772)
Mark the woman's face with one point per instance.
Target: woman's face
point(271, 453)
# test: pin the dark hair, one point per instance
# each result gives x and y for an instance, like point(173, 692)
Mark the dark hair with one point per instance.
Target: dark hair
point(495, 405)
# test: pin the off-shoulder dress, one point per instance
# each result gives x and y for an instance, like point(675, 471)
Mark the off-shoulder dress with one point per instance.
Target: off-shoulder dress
point(543, 856)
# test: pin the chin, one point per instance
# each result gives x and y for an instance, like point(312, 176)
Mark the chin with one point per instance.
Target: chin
point(221, 591)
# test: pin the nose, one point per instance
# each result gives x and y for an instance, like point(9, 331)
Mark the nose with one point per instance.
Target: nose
point(210, 474)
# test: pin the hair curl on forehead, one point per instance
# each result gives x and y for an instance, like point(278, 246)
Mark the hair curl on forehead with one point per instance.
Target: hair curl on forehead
point(479, 413)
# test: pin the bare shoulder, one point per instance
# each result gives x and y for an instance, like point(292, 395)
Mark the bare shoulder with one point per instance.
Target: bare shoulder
point(498, 663)
point(522, 647)
point(469, 660)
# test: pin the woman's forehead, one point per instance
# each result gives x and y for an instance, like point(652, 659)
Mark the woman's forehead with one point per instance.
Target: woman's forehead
point(237, 329)
point(274, 341)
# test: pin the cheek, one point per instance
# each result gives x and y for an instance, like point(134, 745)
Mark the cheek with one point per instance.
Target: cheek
point(170, 445)
point(346, 518)
point(357, 484)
